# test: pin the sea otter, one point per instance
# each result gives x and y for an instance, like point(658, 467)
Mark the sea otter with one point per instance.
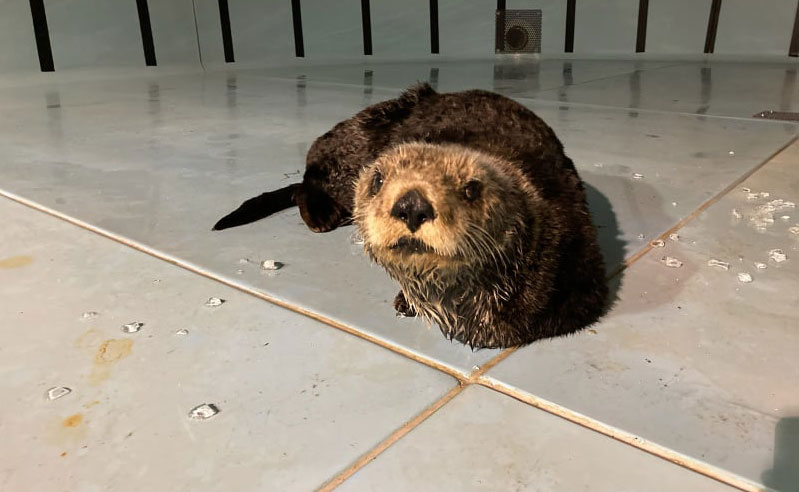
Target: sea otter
point(468, 200)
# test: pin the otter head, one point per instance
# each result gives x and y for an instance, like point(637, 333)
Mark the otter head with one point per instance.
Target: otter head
point(432, 210)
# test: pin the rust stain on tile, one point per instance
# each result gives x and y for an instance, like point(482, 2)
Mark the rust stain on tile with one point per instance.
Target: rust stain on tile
point(108, 353)
point(16, 261)
point(88, 338)
point(91, 404)
point(66, 432)
point(72, 421)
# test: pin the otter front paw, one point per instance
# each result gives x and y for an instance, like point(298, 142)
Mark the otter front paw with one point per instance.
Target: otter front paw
point(402, 306)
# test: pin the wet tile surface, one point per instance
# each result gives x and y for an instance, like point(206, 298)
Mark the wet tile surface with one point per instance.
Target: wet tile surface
point(298, 400)
point(718, 88)
point(512, 76)
point(160, 160)
point(699, 87)
point(697, 358)
point(504, 444)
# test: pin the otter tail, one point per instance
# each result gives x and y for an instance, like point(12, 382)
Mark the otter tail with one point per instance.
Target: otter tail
point(259, 207)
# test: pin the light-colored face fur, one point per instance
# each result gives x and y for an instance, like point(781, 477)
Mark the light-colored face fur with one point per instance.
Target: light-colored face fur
point(479, 202)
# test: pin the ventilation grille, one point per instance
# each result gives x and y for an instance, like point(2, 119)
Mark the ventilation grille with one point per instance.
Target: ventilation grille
point(518, 31)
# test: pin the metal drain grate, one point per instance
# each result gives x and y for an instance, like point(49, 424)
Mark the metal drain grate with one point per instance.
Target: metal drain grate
point(777, 115)
point(518, 31)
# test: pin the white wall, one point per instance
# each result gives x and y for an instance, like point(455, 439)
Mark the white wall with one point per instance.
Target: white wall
point(94, 33)
point(17, 43)
point(755, 27)
point(678, 26)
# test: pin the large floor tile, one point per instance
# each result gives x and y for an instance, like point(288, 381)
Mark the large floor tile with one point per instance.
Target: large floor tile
point(697, 358)
point(159, 161)
point(299, 400)
point(712, 88)
point(504, 444)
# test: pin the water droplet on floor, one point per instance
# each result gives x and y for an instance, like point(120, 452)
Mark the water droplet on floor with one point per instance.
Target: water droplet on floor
point(777, 255)
point(760, 266)
point(641, 237)
point(638, 176)
point(657, 243)
point(794, 229)
point(182, 331)
point(746, 190)
point(671, 262)
point(736, 213)
point(58, 392)
point(239, 272)
point(271, 265)
point(244, 261)
point(673, 204)
point(786, 217)
point(203, 412)
point(732, 152)
point(475, 368)
point(214, 302)
point(132, 327)
point(674, 237)
point(718, 264)
point(764, 194)
point(89, 315)
point(744, 278)
point(752, 196)
point(356, 238)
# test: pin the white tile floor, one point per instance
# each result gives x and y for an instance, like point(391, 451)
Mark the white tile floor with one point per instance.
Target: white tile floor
point(689, 363)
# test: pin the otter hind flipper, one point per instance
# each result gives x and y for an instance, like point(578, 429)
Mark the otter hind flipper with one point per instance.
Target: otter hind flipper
point(258, 207)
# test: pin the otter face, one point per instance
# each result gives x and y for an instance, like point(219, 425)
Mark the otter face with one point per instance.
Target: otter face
point(424, 208)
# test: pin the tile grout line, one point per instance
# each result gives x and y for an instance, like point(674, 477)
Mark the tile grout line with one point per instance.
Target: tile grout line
point(395, 436)
point(719, 474)
point(459, 376)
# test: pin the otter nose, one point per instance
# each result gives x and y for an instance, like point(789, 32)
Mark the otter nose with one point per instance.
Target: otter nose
point(413, 209)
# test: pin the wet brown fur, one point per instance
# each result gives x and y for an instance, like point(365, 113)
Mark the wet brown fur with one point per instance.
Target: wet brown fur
point(518, 264)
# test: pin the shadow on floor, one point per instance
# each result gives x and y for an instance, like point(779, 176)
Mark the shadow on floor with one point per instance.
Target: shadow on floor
point(784, 475)
point(609, 235)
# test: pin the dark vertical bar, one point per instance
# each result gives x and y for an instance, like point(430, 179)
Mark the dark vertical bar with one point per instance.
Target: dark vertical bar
point(146, 33)
point(499, 24)
point(296, 17)
point(643, 13)
point(227, 35)
point(571, 6)
point(366, 20)
point(434, 27)
point(712, 26)
point(42, 34)
point(793, 50)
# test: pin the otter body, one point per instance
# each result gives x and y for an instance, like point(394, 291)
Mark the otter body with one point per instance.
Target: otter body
point(467, 200)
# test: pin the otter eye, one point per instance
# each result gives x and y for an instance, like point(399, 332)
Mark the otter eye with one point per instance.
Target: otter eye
point(473, 190)
point(377, 182)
